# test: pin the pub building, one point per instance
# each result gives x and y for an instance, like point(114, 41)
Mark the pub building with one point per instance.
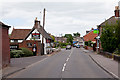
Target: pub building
point(31, 39)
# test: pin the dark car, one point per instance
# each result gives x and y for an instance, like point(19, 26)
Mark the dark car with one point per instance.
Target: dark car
point(68, 47)
point(77, 46)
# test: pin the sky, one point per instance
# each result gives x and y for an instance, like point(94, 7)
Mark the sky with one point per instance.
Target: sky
point(62, 16)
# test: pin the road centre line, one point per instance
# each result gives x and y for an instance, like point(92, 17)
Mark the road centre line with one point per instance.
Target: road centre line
point(67, 60)
point(63, 69)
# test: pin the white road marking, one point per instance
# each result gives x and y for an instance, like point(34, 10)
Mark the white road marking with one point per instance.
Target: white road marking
point(67, 60)
point(63, 69)
point(64, 64)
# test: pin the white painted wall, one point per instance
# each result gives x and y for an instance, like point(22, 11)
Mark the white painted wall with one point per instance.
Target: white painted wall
point(30, 36)
point(45, 44)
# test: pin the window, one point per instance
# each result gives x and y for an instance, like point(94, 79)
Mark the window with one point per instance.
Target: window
point(16, 41)
point(29, 44)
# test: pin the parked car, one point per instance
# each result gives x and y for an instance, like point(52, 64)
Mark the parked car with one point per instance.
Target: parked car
point(68, 47)
point(77, 46)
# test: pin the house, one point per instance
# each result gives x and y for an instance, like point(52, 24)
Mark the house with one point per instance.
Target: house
point(61, 39)
point(91, 36)
point(78, 41)
point(4, 45)
point(111, 20)
point(31, 38)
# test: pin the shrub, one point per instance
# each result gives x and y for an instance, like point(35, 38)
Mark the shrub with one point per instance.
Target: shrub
point(116, 51)
point(26, 52)
point(16, 53)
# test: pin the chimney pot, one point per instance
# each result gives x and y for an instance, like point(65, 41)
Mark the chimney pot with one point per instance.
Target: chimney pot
point(117, 11)
point(37, 23)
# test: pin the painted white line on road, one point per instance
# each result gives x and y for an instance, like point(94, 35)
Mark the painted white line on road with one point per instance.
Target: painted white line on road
point(64, 64)
point(63, 69)
point(71, 53)
point(67, 60)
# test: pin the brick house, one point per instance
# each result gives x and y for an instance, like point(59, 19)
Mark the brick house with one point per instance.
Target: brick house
point(4, 45)
point(90, 36)
point(111, 20)
point(28, 38)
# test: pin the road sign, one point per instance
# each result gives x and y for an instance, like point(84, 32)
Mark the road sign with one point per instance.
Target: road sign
point(96, 31)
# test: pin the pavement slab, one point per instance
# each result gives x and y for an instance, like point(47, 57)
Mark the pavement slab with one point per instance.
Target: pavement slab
point(110, 64)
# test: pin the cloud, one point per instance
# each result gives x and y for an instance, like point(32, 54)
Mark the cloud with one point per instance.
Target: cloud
point(61, 17)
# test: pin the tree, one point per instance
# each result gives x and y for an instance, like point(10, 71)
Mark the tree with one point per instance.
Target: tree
point(69, 38)
point(109, 39)
point(53, 38)
point(76, 34)
point(118, 35)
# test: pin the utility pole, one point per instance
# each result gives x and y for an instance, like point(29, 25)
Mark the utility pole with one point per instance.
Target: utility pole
point(43, 32)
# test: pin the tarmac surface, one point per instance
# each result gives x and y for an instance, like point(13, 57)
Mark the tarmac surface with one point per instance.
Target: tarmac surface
point(74, 63)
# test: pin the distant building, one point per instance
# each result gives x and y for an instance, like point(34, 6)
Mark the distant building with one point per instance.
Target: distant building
point(4, 45)
point(29, 38)
point(61, 39)
point(78, 41)
point(111, 20)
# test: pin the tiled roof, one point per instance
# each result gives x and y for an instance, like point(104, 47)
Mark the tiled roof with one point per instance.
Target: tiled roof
point(19, 33)
point(90, 36)
point(111, 20)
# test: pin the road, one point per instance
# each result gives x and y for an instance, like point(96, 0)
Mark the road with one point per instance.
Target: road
point(72, 63)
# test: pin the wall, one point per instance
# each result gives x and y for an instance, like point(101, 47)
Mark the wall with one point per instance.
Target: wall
point(89, 48)
point(5, 48)
point(38, 44)
point(0, 48)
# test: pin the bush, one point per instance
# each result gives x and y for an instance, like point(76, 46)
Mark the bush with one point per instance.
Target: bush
point(26, 52)
point(16, 53)
point(117, 51)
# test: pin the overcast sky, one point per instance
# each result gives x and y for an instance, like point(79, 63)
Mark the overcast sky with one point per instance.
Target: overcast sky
point(61, 16)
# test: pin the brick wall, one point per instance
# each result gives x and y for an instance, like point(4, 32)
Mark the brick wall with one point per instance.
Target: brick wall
point(89, 48)
point(5, 47)
point(38, 44)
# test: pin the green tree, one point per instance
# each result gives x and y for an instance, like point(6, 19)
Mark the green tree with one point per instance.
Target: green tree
point(53, 38)
point(69, 38)
point(76, 34)
point(109, 41)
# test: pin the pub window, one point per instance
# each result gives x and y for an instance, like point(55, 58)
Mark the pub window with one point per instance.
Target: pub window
point(29, 44)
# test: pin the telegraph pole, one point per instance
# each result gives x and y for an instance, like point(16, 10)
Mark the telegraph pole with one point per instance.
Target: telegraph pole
point(43, 31)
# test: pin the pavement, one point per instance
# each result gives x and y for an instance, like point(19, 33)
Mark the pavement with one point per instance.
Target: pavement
point(109, 65)
point(18, 64)
point(74, 63)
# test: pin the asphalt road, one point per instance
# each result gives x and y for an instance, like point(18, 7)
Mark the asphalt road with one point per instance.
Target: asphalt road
point(72, 63)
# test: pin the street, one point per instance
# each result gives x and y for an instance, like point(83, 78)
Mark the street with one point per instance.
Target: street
point(72, 63)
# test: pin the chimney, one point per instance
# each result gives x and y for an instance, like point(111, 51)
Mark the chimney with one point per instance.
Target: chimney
point(92, 28)
point(117, 11)
point(37, 23)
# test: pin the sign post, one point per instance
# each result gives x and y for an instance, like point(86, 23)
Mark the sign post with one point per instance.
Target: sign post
point(96, 31)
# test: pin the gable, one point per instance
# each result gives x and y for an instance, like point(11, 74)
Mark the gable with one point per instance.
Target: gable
point(33, 34)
